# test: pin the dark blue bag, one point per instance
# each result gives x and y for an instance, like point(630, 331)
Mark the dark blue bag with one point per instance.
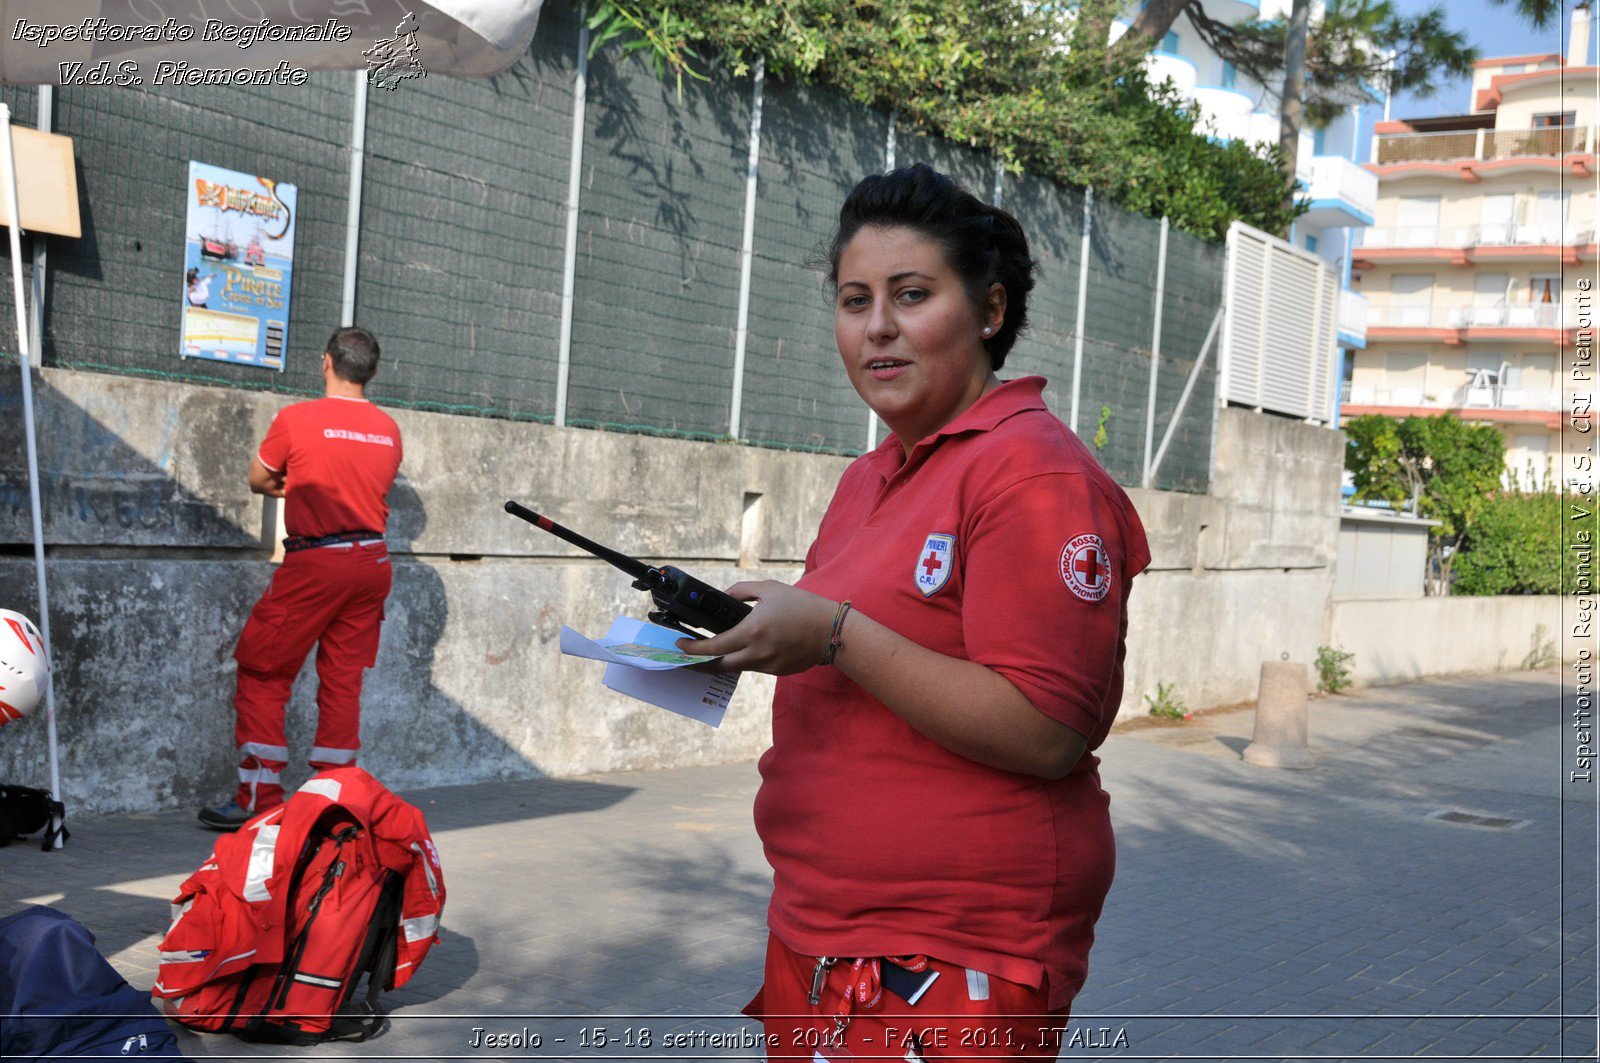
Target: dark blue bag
point(59, 996)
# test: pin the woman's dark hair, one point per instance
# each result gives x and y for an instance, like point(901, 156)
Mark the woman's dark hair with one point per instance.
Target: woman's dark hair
point(983, 244)
point(192, 276)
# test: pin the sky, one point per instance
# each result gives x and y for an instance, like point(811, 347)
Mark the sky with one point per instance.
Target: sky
point(1496, 31)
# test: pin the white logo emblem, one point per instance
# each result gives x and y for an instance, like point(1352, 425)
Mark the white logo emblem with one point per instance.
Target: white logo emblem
point(934, 562)
point(1086, 568)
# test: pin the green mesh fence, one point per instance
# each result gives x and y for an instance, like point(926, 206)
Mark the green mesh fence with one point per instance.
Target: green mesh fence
point(1052, 217)
point(814, 147)
point(116, 293)
point(463, 238)
point(463, 230)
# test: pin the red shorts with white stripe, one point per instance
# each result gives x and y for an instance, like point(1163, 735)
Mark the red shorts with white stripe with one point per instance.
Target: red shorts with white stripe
point(962, 1014)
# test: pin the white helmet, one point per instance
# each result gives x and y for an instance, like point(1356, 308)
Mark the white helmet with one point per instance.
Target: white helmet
point(24, 671)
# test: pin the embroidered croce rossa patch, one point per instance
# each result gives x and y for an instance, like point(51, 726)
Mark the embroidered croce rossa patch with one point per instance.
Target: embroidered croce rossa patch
point(1086, 567)
point(934, 562)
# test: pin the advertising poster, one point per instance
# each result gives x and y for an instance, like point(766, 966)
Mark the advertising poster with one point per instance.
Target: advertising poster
point(237, 259)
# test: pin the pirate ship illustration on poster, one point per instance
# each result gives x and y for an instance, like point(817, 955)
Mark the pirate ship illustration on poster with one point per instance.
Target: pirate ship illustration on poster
point(238, 262)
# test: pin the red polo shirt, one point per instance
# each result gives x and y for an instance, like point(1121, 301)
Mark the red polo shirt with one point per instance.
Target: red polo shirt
point(1000, 540)
point(340, 456)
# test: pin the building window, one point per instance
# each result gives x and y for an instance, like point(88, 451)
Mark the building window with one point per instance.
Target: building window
point(1553, 119)
point(1229, 76)
point(1311, 243)
point(1318, 138)
point(1169, 43)
point(1544, 288)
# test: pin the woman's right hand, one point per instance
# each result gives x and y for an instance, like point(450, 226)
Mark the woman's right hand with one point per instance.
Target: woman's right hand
point(787, 631)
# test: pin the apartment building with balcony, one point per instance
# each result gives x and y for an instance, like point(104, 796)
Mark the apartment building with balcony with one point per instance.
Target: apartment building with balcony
point(1340, 194)
point(1484, 222)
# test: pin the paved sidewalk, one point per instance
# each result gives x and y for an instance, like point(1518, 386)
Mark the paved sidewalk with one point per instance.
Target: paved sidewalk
point(1257, 914)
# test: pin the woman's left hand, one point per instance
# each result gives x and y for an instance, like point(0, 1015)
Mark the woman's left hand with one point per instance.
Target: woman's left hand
point(787, 631)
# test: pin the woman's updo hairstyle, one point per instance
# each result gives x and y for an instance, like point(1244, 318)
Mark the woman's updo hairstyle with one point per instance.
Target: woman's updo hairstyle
point(983, 244)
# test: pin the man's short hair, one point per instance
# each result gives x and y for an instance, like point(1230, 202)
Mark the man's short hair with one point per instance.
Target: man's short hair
point(355, 354)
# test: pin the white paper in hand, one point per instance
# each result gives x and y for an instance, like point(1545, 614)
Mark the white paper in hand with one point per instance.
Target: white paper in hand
point(643, 662)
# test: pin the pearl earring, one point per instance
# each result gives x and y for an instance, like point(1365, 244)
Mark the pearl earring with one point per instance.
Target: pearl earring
point(987, 330)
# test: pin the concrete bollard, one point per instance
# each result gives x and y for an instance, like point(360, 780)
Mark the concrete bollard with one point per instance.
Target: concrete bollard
point(1280, 738)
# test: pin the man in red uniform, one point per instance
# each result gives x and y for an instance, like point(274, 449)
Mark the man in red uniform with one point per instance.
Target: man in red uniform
point(332, 461)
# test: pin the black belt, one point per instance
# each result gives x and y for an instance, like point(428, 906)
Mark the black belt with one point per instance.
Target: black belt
point(307, 542)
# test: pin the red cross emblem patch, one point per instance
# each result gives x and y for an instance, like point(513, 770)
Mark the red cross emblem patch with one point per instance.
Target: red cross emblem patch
point(1086, 568)
point(934, 562)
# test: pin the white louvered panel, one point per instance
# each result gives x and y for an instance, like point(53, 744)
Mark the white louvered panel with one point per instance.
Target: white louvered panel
point(1327, 340)
point(1290, 306)
point(1279, 346)
point(1246, 265)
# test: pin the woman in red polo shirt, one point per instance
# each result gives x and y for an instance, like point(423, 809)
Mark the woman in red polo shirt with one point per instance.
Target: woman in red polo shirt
point(949, 662)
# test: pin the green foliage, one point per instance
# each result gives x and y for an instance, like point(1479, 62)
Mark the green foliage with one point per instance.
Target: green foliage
point(1440, 467)
point(664, 39)
point(1100, 436)
point(1166, 703)
point(1333, 669)
point(1004, 76)
point(1518, 543)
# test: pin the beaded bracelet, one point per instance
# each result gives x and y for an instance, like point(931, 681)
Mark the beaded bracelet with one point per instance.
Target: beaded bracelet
point(835, 640)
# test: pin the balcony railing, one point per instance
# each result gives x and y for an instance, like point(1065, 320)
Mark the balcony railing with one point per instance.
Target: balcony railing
point(1495, 396)
point(1335, 177)
point(1515, 316)
point(1504, 234)
point(1536, 315)
point(1483, 144)
point(1404, 236)
point(1401, 315)
point(1352, 319)
point(1493, 234)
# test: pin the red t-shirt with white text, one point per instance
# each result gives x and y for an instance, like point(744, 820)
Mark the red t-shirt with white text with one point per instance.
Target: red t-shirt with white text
point(998, 540)
point(339, 457)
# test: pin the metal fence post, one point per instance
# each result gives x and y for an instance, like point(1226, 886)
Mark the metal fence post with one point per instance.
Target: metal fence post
point(747, 250)
point(45, 118)
point(569, 267)
point(888, 164)
point(352, 222)
point(1083, 292)
point(1155, 350)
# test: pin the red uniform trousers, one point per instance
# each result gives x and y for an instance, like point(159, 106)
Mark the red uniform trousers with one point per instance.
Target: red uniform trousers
point(331, 597)
point(962, 1015)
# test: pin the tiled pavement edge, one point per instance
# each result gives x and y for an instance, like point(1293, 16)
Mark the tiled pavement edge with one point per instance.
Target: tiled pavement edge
point(1257, 914)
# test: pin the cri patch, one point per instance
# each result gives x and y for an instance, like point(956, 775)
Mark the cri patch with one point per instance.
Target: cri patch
point(1086, 567)
point(934, 562)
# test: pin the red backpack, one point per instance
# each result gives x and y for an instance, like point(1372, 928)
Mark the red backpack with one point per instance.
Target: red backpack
point(272, 934)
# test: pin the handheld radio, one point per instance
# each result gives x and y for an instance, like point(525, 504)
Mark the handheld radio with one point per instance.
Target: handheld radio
point(682, 602)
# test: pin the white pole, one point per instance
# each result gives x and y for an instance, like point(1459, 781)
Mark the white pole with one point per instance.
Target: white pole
point(888, 164)
point(998, 198)
point(45, 119)
point(569, 268)
point(747, 250)
point(1083, 297)
point(1155, 349)
point(352, 223)
point(8, 159)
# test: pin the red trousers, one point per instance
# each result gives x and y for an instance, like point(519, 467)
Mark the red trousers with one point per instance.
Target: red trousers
point(962, 1015)
point(330, 597)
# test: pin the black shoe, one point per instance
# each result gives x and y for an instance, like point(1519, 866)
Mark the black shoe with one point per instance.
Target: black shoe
point(225, 817)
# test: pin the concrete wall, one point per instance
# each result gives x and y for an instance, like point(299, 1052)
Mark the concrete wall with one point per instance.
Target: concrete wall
point(157, 555)
point(1241, 575)
point(1397, 641)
